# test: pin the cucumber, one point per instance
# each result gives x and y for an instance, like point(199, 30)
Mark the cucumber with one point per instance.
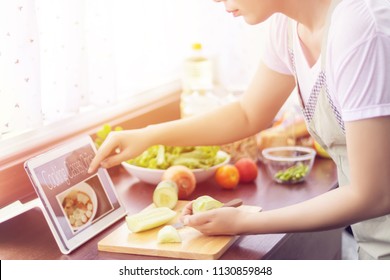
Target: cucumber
point(205, 203)
point(168, 234)
point(166, 194)
point(149, 218)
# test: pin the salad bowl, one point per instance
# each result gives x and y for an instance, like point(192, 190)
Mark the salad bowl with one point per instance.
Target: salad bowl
point(154, 175)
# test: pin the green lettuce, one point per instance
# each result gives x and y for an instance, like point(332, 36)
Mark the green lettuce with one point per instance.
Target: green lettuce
point(162, 157)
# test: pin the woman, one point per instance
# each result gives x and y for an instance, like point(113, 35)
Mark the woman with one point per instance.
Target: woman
point(338, 55)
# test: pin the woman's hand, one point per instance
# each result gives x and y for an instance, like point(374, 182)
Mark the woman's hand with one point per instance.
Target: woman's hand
point(118, 146)
point(221, 221)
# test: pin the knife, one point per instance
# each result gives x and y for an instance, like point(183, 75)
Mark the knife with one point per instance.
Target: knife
point(232, 203)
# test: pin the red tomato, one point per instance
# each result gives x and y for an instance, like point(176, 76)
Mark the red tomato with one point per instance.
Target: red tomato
point(227, 176)
point(247, 169)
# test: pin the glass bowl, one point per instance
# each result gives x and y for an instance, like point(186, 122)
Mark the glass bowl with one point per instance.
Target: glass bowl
point(290, 164)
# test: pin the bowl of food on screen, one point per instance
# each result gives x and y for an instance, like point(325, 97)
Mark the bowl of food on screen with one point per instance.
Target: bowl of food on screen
point(289, 164)
point(79, 205)
point(150, 166)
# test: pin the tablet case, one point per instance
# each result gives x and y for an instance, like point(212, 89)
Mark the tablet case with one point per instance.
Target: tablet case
point(77, 205)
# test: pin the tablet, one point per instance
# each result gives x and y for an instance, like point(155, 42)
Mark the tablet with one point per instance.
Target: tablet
point(77, 205)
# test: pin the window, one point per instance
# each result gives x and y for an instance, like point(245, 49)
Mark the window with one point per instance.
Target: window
point(60, 58)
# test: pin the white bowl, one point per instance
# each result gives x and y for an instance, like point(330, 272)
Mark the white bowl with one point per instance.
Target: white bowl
point(153, 176)
point(86, 189)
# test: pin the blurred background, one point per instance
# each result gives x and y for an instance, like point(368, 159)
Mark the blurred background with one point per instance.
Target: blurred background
point(60, 58)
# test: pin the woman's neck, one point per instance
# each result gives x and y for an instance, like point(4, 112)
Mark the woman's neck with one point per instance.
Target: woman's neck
point(309, 13)
point(311, 16)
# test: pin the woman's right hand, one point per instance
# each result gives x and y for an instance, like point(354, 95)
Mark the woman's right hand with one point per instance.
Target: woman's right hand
point(118, 146)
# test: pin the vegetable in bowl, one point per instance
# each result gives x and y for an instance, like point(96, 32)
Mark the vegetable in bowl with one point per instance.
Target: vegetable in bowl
point(151, 165)
point(162, 157)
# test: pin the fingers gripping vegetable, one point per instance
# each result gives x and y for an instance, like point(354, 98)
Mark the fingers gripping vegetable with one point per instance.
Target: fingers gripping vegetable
point(205, 203)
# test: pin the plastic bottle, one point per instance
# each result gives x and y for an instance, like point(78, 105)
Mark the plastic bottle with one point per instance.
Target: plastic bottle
point(198, 70)
point(197, 82)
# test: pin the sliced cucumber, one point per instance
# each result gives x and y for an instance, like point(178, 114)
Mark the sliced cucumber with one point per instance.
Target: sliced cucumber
point(149, 218)
point(168, 234)
point(166, 194)
point(205, 203)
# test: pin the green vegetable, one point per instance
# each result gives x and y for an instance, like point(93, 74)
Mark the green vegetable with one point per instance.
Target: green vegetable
point(292, 174)
point(162, 157)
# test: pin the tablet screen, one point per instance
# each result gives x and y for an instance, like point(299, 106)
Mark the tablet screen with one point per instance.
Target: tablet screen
point(74, 199)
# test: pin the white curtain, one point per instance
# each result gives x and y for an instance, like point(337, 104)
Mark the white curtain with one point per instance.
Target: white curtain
point(20, 87)
point(58, 56)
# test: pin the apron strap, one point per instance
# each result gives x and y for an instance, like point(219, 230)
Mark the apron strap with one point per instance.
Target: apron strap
point(291, 28)
point(309, 108)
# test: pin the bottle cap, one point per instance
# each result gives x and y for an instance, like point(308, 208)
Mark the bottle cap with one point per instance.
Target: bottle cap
point(196, 46)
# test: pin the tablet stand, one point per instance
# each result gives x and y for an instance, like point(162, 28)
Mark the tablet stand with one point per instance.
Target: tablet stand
point(16, 208)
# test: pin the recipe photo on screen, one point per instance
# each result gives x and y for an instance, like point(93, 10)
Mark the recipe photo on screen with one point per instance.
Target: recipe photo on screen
point(77, 198)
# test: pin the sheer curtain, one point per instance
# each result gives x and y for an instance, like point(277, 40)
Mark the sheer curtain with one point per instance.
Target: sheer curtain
point(20, 87)
point(58, 57)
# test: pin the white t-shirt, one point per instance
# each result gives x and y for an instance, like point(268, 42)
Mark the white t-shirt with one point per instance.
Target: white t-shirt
point(357, 60)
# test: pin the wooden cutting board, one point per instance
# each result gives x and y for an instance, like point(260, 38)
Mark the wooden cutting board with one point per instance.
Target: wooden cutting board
point(194, 244)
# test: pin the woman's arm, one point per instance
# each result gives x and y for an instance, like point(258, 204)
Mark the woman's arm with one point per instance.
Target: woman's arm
point(367, 196)
point(254, 112)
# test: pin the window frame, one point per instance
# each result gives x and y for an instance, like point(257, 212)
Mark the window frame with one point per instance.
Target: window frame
point(157, 105)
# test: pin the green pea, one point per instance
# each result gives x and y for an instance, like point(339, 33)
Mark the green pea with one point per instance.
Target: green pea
point(292, 174)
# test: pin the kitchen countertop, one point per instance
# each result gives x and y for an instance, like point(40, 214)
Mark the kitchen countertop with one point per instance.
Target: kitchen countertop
point(28, 236)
